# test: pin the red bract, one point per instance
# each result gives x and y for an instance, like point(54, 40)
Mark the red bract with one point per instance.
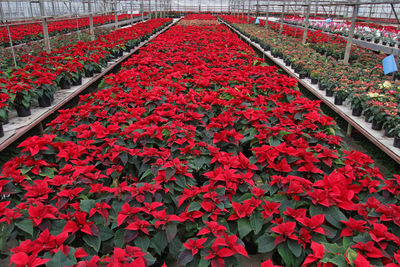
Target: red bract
point(195, 245)
point(285, 230)
point(79, 223)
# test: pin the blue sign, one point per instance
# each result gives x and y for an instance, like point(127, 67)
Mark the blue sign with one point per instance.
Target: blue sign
point(389, 64)
point(257, 21)
point(328, 20)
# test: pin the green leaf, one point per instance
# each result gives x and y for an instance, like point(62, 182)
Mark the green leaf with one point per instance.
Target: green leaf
point(243, 227)
point(171, 231)
point(26, 226)
point(47, 172)
point(204, 263)
point(256, 221)
point(142, 242)
point(60, 260)
point(194, 206)
point(266, 243)
point(334, 248)
point(145, 174)
point(286, 255)
point(159, 242)
point(124, 158)
point(273, 141)
point(93, 242)
point(119, 238)
point(185, 257)
point(339, 260)
point(175, 246)
point(105, 233)
point(87, 205)
point(294, 247)
point(333, 215)
point(57, 226)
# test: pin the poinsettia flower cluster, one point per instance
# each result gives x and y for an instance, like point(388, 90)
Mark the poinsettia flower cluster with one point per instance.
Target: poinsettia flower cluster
point(26, 31)
point(50, 68)
point(196, 151)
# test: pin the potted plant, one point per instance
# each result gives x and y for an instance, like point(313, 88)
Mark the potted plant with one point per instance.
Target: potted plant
point(23, 94)
point(91, 67)
point(378, 117)
point(341, 94)
point(392, 125)
point(396, 135)
point(44, 87)
point(4, 104)
point(45, 94)
point(65, 80)
point(315, 75)
point(76, 78)
point(357, 102)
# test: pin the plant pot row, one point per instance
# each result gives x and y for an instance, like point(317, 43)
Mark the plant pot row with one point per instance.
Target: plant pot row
point(46, 101)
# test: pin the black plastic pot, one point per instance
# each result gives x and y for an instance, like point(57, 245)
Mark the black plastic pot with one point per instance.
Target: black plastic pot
point(376, 41)
point(387, 134)
point(321, 86)
point(314, 81)
point(384, 43)
point(377, 125)
point(1, 130)
point(396, 142)
point(329, 92)
point(44, 101)
point(338, 100)
point(22, 111)
point(356, 112)
point(88, 73)
point(64, 84)
point(77, 82)
point(302, 75)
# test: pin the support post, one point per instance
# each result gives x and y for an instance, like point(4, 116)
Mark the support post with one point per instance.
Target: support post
point(248, 11)
point(156, 9)
point(307, 22)
point(395, 14)
point(116, 14)
point(142, 8)
point(30, 9)
point(10, 39)
point(45, 28)
point(282, 17)
point(53, 7)
point(267, 16)
point(349, 129)
point(351, 33)
point(243, 8)
point(257, 8)
point(131, 6)
point(91, 28)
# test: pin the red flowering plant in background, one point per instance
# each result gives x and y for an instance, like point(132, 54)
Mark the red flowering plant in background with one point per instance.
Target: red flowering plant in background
point(40, 75)
point(199, 152)
point(31, 31)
